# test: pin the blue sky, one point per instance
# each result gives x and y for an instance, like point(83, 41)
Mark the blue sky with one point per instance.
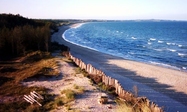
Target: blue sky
point(97, 9)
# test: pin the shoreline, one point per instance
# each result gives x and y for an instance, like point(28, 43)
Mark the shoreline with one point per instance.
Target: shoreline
point(154, 63)
point(176, 71)
point(166, 84)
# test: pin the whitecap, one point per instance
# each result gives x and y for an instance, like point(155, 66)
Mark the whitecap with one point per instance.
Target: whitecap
point(134, 38)
point(181, 54)
point(184, 68)
point(158, 49)
point(130, 52)
point(180, 45)
point(149, 43)
point(159, 41)
point(152, 39)
point(168, 43)
point(172, 50)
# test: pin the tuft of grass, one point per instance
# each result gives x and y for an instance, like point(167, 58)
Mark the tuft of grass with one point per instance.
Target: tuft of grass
point(107, 88)
point(79, 89)
point(34, 65)
point(78, 70)
point(59, 101)
point(70, 95)
point(123, 106)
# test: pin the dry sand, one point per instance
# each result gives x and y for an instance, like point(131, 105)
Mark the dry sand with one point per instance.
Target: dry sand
point(176, 79)
point(68, 78)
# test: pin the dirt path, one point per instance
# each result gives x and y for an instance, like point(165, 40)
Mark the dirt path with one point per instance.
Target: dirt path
point(86, 102)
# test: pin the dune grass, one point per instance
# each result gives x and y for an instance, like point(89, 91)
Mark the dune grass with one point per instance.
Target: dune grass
point(12, 73)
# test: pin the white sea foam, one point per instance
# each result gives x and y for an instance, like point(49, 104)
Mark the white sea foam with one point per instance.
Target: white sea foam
point(159, 41)
point(168, 43)
point(158, 49)
point(184, 68)
point(180, 45)
point(164, 65)
point(63, 36)
point(149, 43)
point(172, 50)
point(130, 52)
point(152, 39)
point(181, 54)
point(79, 25)
point(134, 38)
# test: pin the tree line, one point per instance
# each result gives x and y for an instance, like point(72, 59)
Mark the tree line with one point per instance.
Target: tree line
point(18, 35)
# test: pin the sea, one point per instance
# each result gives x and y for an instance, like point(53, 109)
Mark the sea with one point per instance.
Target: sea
point(161, 43)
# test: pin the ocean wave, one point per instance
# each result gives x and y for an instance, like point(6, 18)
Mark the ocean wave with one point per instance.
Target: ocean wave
point(64, 37)
point(131, 53)
point(168, 43)
point(172, 50)
point(134, 38)
point(149, 43)
point(179, 45)
point(184, 68)
point(158, 49)
point(152, 39)
point(181, 54)
point(159, 41)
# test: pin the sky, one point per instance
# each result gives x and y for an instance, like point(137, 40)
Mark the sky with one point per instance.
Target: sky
point(97, 9)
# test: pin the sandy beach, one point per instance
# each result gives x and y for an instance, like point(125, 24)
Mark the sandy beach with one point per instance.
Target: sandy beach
point(166, 87)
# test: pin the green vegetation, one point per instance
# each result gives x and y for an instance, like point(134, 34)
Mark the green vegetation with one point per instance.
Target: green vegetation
point(70, 94)
point(107, 88)
point(79, 89)
point(20, 35)
point(78, 70)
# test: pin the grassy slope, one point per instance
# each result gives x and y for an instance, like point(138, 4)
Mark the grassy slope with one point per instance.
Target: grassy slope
point(12, 73)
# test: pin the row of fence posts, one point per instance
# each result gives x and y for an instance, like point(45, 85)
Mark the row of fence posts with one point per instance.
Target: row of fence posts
point(107, 80)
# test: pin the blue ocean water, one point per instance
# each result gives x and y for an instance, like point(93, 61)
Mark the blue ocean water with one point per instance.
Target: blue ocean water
point(159, 43)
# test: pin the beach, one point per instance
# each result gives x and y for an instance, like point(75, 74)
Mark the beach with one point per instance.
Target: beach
point(166, 87)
